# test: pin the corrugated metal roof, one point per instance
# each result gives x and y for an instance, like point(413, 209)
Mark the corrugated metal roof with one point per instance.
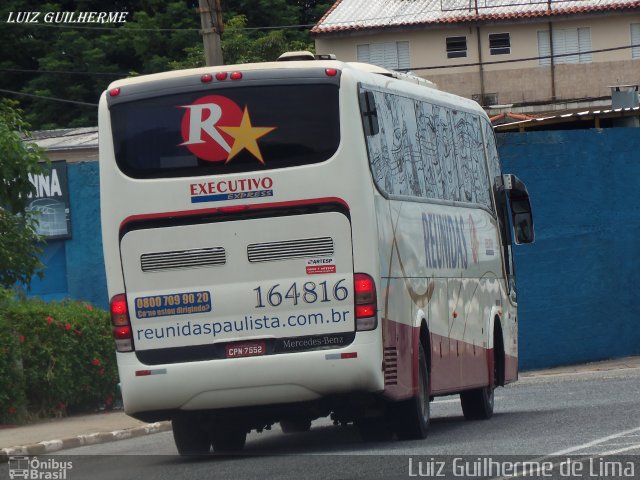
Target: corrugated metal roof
point(346, 15)
point(509, 117)
point(568, 117)
point(66, 138)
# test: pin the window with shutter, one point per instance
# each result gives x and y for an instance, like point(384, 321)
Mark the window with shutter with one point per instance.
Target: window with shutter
point(500, 43)
point(635, 40)
point(363, 53)
point(544, 48)
point(570, 45)
point(391, 55)
point(456, 47)
point(584, 44)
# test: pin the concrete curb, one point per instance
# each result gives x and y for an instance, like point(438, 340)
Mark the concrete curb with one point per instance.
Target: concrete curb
point(43, 448)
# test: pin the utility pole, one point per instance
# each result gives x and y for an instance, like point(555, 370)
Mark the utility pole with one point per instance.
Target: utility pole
point(211, 22)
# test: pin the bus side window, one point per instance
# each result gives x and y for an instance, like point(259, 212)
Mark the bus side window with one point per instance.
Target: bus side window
point(369, 113)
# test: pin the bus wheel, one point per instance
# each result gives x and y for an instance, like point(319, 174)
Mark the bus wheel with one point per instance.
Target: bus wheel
point(227, 438)
point(189, 436)
point(478, 404)
point(412, 416)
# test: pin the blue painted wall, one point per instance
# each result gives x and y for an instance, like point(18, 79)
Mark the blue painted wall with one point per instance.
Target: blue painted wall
point(75, 267)
point(577, 285)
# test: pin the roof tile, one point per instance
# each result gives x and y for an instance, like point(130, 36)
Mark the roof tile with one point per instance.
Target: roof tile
point(349, 15)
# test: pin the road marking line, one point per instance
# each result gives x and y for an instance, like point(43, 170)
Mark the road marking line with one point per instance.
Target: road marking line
point(597, 441)
point(454, 400)
point(620, 450)
point(581, 447)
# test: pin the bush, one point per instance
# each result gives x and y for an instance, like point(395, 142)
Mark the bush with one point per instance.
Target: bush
point(12, 396)
point(67, 356)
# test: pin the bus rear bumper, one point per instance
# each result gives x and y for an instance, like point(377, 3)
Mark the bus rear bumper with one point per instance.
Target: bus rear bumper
point(252, 381)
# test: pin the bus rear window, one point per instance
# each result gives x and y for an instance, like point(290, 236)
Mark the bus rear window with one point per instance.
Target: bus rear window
point(226, 131)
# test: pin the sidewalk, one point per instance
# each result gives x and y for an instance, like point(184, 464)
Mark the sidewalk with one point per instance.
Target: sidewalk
point(606, 365)
point(72, 432)
point(76, 431)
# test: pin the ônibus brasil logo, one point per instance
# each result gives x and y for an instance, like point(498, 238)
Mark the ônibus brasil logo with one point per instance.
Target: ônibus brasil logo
point(216, 129)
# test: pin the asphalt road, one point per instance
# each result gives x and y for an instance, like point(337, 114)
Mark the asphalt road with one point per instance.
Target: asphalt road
point(592, 416)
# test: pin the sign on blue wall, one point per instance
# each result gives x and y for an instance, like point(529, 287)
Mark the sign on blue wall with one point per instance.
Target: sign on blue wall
point(51, 200)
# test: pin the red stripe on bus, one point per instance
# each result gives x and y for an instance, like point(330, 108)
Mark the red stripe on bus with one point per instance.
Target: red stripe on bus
point(208, 211)
point(460, 366)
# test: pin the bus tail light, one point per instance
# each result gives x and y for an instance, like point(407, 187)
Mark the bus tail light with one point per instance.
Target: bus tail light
point(120, 323)
point(365, 299)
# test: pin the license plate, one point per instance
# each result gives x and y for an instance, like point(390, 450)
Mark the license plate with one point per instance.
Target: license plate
point(247, 349)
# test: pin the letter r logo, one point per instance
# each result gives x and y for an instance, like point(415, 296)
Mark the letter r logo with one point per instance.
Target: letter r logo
point(201, 124)
point(214, 128)
point(203, 119)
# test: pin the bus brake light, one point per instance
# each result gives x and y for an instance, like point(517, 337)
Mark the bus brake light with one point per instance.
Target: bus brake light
point(120, 323)
point(236, 76)
point(206, 78)
point(365, 300)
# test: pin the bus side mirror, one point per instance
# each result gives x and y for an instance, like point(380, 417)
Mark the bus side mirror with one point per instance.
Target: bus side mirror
point(521, 212)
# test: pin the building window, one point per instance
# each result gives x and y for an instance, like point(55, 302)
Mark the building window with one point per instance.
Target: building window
point(456, 47)
point(391, 55)
point(499, 43)
point(635, 40)
point(570, 45)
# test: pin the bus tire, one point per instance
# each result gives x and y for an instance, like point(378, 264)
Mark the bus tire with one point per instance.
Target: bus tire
point(228, 438)
point(412, 416)
point(478, 404)
point(189, 436)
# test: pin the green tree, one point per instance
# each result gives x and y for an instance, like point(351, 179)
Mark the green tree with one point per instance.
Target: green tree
point(77, 62)
point(18, 238)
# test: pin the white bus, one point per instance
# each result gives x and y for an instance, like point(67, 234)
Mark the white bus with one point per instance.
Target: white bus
point(290, 240)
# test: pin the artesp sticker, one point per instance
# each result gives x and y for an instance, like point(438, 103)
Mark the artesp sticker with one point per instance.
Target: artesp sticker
point(316, 266)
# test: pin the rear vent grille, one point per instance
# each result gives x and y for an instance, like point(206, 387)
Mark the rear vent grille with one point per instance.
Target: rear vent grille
point(308, 247)
point(390, 366)
point(182, 259)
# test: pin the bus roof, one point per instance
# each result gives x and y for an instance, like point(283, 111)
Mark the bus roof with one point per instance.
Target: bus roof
point(297, 64)
point(409, 78)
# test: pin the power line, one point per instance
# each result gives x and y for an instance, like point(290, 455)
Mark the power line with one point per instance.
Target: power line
point(432, 67)
point(120, 29)
point(43, 97)
point(66, 72)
